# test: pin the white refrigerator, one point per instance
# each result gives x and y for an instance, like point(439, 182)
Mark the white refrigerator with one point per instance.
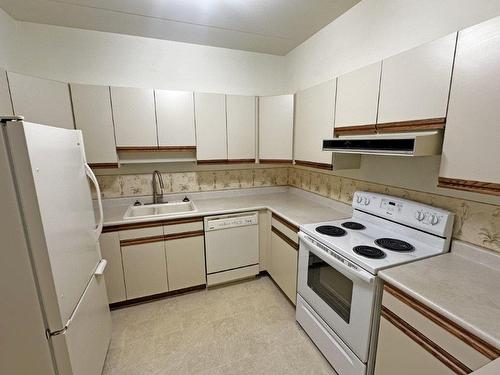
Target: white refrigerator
point(54, 313)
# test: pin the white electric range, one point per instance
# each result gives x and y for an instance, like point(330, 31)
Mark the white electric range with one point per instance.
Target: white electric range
point(339, 293)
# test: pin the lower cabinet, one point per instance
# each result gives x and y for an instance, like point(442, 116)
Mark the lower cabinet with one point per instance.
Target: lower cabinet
point(110, 250)
point(283, 261)
point(185, 262)
point(414, 339)
point(144, 268)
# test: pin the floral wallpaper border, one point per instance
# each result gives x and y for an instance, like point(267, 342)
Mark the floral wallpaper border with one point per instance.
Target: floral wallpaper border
point(477, 223)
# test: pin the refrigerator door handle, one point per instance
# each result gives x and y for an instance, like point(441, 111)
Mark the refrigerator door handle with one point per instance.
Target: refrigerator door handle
point(92, 177)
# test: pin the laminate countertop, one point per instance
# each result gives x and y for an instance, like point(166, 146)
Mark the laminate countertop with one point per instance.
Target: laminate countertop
point(462, 285)
point(296, 206)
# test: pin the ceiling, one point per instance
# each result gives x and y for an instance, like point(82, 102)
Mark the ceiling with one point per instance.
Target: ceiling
point(267, 26)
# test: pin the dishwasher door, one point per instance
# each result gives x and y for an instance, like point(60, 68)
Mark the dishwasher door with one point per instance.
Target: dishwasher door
point(232, 246)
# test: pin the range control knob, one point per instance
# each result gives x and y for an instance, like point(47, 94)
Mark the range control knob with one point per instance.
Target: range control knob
point(433, 219)
point(419, 215)
point(359, 198)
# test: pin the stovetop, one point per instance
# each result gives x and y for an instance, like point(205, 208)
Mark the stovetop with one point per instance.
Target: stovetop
point(361, 246)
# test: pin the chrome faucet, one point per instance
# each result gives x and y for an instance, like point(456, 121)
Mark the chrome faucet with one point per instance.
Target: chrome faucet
point(157, 179)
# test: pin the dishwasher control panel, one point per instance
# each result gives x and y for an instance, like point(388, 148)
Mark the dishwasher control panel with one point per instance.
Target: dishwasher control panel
point(231, 221)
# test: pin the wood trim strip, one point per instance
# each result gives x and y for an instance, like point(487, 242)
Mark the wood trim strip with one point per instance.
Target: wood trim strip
point(285, 238)
point(470, 339)
point(136, 301)
point(176, 236)
point(275, 161)
point(103, 165)
point(412, 125)
point(212, 161)
point(149, 224)
point(240, 161)
point(285, 222)
point(176, 148)
point(423, 341)
point(469, 185)
point(136, 148)
point(142, 240)
point(355, 130)
point(311, 164)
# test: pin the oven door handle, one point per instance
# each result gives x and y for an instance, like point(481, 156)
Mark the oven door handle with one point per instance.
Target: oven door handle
point(332, 261)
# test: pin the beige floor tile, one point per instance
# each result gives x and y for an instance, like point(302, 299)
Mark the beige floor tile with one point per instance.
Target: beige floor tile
point(242, 328)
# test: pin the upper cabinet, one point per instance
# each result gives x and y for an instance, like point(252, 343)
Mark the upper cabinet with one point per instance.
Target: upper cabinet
point(134, 117)
point(92, 111)
point(471, 151)
point(313, 123)
point(41, 101)
point(276, 129)
point(211, 136)
point(5, 103)
point(357, 101)
point(241, 128)
point(175, 118)
point(415, 86)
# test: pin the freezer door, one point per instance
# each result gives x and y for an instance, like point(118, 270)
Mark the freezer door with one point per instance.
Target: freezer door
point(82, 348)
point(56, 201)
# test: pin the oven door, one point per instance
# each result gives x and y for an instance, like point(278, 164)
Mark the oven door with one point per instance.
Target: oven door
point(342, 293)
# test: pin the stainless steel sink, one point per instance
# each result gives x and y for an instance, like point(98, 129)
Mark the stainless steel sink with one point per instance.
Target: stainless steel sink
point(157, 210)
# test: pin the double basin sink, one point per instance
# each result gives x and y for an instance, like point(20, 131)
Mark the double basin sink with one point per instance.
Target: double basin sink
point(159, 210)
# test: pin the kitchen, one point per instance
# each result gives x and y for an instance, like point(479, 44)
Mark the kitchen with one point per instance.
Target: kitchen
point(225, 187)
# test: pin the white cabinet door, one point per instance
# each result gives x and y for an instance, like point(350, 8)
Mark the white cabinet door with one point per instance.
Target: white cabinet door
point(314, 122)
point(471, 151)
point(211, 136)
point(92, 109)
point(240, 127)
point(115, 282)
point(357, 97)
point(283, 268)
point(415, 84)
point(41, 101)
point(5, 103)
point(185, 262)
point(175, 117)
point(145, 269)
point(276, 128)
point(134, 115)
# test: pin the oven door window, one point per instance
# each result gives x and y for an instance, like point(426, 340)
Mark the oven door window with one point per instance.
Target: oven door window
point(331, 286)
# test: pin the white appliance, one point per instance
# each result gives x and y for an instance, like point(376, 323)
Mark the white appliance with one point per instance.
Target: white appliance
point(339, 292)
point(232, 247)
point(423, 143)
point(55, 313)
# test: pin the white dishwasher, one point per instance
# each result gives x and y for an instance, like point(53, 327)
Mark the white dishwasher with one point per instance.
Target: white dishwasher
point(232, 247)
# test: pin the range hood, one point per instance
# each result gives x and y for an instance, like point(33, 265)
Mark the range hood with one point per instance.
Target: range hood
point(397, 144)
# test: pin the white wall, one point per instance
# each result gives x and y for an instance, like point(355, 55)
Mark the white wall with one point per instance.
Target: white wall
point(7, 37)
point(375, 29)
point(94, 57)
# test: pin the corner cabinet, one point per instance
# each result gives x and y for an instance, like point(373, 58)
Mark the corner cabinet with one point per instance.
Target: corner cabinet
point(314, 119)
point(357, 101)
point(41, 101)
point(471, 149)
point(211, 135)
point(135, 119)
point(241, 129)
point(175, 117)
point(414, 87)
point(93, 116)
point(282, 265)
point(5, 102)
point(414, 339)
point(276, 129)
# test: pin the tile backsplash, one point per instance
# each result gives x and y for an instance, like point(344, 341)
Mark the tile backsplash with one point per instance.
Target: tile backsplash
point(478, 223)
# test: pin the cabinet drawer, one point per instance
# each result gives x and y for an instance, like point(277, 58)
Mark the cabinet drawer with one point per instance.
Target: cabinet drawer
point(184, 227)
point(290, 233)
point(141, 233)
point(145, 269)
